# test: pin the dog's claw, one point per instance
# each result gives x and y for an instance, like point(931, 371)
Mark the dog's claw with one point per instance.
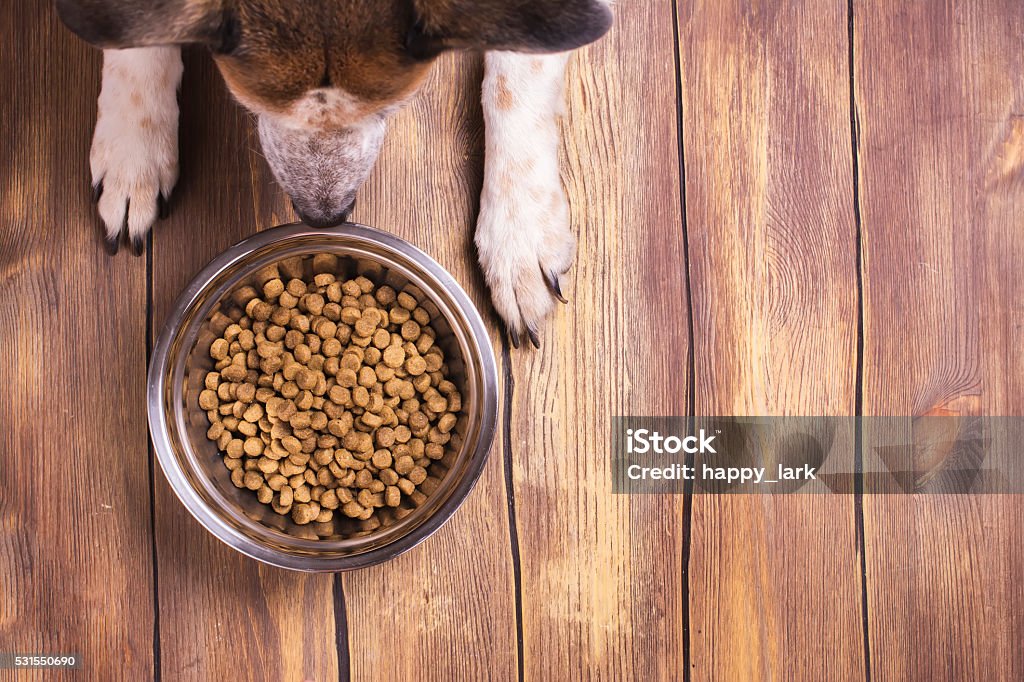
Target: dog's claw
point(138, 244)
point(163, 206)
point(514, 336)
point(534, 338)
point(97, 191)
point(112, 244)
point(554, 285)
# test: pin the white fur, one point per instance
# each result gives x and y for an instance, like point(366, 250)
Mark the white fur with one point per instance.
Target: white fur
point(135, 146)
point(523, 228)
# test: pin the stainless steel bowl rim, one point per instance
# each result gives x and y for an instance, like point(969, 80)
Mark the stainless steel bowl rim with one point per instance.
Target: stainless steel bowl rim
point(159, 426)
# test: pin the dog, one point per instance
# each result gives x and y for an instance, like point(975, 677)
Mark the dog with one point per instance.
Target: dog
point(322, 77)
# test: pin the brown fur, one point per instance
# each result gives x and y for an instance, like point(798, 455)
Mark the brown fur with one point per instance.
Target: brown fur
point(323, 76)
point(274, 52)
point(287, 50)
point(505, 98)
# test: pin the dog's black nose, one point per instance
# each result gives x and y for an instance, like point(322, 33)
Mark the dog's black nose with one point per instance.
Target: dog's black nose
point(323, 220)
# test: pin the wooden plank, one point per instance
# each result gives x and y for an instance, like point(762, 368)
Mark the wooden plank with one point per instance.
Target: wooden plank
point(940, 96)
point(602, 576)
point(75, 539)
point(224, 616)
point(774, 582)
point(446, 609)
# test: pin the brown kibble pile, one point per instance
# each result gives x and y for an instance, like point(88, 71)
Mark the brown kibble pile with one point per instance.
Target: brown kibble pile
point(329, 397)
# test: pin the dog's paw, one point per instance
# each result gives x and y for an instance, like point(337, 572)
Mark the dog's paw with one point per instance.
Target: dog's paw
point(134, 156)
point(525, 245)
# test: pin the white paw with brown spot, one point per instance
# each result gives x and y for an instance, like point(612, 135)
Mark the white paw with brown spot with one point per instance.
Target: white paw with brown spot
point(134, 156)
point(523, 235)
point(524, 244)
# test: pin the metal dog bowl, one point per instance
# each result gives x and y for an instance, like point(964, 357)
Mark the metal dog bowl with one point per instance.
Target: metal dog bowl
point(194, 467)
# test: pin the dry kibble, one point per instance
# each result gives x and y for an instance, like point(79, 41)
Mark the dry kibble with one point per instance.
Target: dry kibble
point(416, 365)
point(382, 459)
point(219, 349)
point(421, 316)
point(208, 400)
point(403, 465)
point(273, 289)
point(235, 448)
point(407, 301)
point(245, 393)
point(303, 513)
point(367, 377)
point(417, 475)
point(446, 422)
point(394, 356)
point(410, 330)
point(330, 396)
point(347, 378)
point(252, 480)
point(367, 322)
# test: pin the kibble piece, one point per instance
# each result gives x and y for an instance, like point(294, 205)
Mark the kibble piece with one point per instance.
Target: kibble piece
point(303, 514)
point(421, 316)
point(325, 329)
point(235, 448)
point(252, 480)
point(416, 365)
point(394, 356)
point(403, 465)
point(407, 301)
point(382, 459)
point(219, 349)
point(302, 491)
point(208, 400)
point(347, 378)
point(273, 288)
point(331, 348)
point(314, 303)
point(367, 377)
point(446, 423)
point(353, 509)
point(410, 330)
point(253, 413)
point(385, 437)
point(245, 393)
point(350, 315)
point(417, 475)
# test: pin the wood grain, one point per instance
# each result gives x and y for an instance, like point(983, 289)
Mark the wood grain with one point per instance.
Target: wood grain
point(446, 609)
point(75, 540)
point(774, 585)
point(224, 616)
point(601, 581)
point(940, 100)
point(602, 574)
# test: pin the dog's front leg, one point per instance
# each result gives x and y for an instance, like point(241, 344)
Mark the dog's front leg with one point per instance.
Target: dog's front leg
point(523, 237)
point(134, 157)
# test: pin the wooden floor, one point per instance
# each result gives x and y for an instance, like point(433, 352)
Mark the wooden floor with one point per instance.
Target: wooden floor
point(801, 207)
